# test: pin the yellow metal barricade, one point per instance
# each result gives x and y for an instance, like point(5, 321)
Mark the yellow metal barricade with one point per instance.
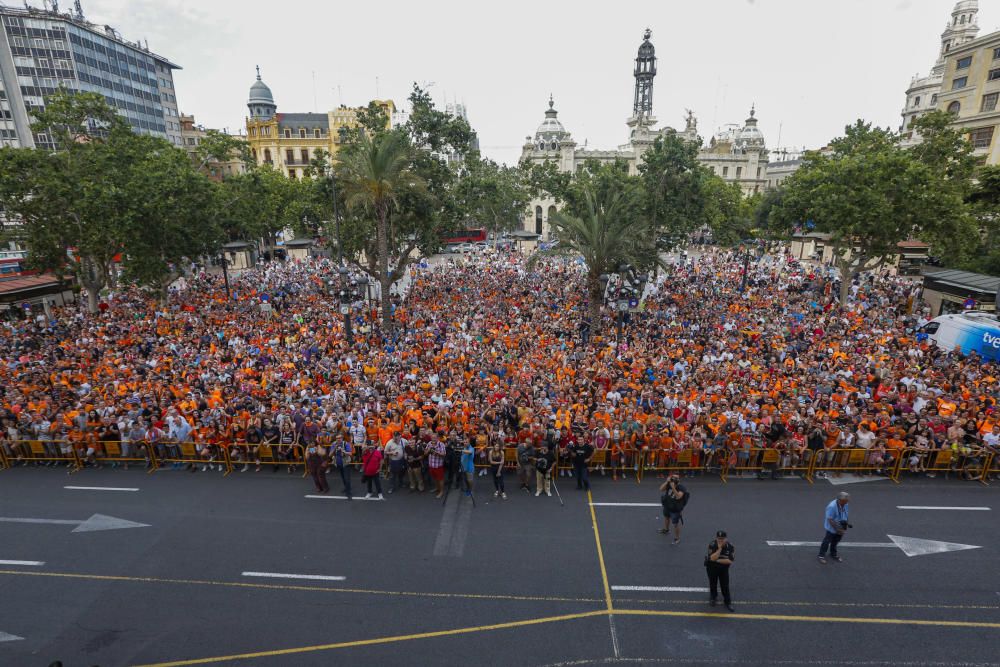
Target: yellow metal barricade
point(4, 463)
point(855, 461)
point(54, 452)
point(275, 455)
point(742, 460)
point(683, 461)
point(115, 452)
point(510, 457)
point(180, 454)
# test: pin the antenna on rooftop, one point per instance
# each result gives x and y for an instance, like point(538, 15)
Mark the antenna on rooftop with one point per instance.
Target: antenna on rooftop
point(77, 9)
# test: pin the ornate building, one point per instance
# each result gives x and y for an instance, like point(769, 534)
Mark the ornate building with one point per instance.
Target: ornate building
point(737, 156)
point(922, 95)
point(289, 141)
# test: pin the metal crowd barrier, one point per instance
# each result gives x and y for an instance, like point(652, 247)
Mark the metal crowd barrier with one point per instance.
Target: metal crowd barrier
point(266, 455)
point(52, 452)
point(115, 452)
point(978, 464)
point(4, 465)
point(683, 461)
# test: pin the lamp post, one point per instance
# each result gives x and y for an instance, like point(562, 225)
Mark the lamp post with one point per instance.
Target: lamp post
point(345, 305)
point(749, 248)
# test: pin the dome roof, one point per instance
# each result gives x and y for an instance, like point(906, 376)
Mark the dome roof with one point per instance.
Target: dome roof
point(749, 135)
point(551, 128)
point(260, 93)
point(646, 48)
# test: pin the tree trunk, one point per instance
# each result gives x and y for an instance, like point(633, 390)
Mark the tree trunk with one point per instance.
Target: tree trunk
point(596, 296)
point(382, 239)
point(91, 301)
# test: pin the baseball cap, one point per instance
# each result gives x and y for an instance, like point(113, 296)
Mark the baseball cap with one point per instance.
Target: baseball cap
point(720, 533)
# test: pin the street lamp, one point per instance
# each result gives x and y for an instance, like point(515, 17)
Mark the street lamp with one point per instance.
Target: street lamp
point(748, 247)
point(345, 305)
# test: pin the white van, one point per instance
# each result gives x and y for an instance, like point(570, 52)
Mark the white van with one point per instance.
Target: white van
point(973, 331)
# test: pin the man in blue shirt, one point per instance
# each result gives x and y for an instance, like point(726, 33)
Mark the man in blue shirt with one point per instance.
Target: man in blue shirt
point(835, 524)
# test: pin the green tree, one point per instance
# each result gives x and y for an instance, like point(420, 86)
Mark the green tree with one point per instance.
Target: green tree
point(492, 195)
point(868, 194)
point(217, 147)
point(605, 223)
point(375, 174)
point(680, 194)
point(72, 202)
point(985, 202)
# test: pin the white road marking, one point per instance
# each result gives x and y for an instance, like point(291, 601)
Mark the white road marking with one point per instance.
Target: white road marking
point(101, 488)
point(931, 507)
point(663, 589)
point(851, 478)
point(911, 546)
point(94, 523)
point(316, 497)
point(22, 562)
point(454, 527)
point(4, 637)
point(285, 575)
point(614, 635)
point(626, 504)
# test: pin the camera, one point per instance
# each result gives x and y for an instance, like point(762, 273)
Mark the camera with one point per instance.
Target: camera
point(844, 525)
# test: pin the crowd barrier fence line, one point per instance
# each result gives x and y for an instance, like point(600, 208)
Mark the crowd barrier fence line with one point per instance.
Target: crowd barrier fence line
point(978, 463)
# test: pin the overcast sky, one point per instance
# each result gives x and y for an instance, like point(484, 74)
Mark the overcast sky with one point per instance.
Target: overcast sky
point(810, 66)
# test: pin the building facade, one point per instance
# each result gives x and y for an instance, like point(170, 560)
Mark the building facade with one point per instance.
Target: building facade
point(924, 92)
point(41, 51)
point(970, 91)
point(738, 155)
point(289, 141)
point(192, 136)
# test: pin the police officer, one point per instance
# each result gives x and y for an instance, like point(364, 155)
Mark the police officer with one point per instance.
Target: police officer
point(720, 556)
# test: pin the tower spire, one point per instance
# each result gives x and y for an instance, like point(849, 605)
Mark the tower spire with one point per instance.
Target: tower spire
point(645, 70)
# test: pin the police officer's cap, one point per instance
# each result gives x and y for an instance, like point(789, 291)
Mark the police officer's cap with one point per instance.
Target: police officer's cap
point(720, 533)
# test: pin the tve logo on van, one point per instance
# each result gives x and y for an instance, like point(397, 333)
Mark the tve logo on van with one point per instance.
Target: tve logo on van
point(991, 340)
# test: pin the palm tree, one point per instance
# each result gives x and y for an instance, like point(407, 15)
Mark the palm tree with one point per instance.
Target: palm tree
point(375, 172)
point(609, 232)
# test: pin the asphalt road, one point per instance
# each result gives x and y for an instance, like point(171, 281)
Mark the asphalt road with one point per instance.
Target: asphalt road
point(524, 581)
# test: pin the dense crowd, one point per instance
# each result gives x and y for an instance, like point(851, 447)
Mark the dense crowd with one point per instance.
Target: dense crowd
point(491, 353)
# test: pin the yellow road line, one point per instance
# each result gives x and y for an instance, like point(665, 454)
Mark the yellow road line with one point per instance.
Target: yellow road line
point(600, 553)
point(379, 640)
point(807, 619)
point(818, 603)
point(287, 587)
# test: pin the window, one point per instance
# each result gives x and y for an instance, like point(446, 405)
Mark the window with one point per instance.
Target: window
point(916, 101)
point(267, 155)
point(538, 219)
point(993, 75)
point(288, 133)
point(725, 171)
point(302, 132)
point(316, 133)
point(291, 174)
point(20, 42)
point(981, 137)
point(959, 82)
point(253, 152)
point(954, 107)
point(990, 102)
point(739, 172)
point(290, 156)
point(996, 52)
point(934, 99)
point(758, 172)
point(305, 155)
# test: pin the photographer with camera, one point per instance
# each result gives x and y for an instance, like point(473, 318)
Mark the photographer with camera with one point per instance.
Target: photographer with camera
point(674, 498)
point(835, 523)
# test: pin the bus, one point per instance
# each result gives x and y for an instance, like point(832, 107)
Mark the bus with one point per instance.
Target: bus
point(973, 331)
point(12, 262)
point(466, 236)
